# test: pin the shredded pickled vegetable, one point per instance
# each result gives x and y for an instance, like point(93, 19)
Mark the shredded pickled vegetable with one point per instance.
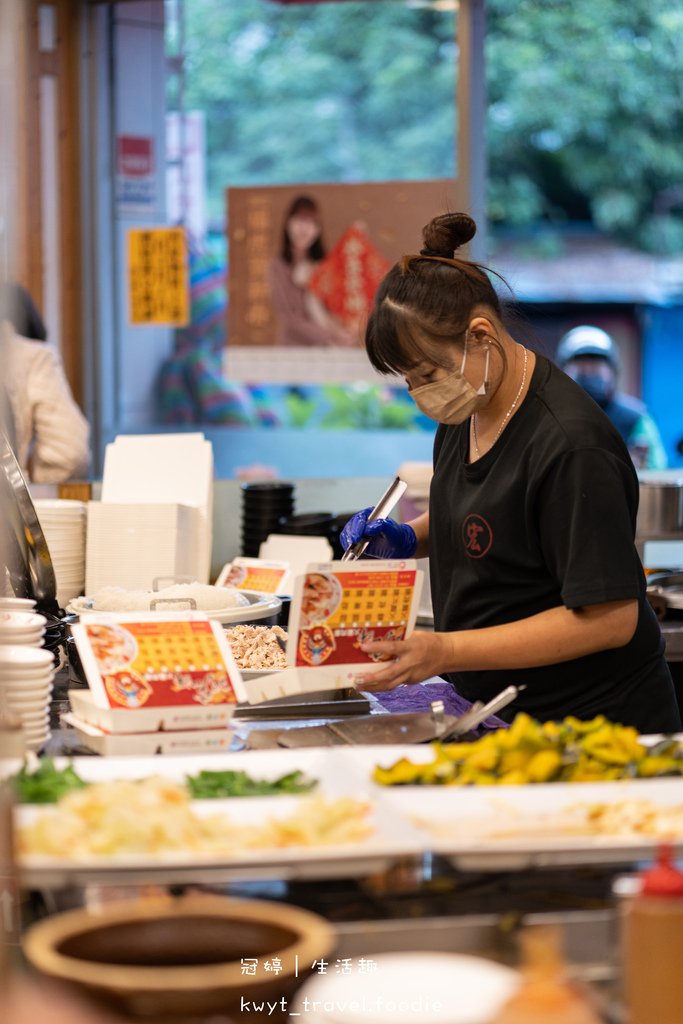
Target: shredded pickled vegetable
point(154, 816)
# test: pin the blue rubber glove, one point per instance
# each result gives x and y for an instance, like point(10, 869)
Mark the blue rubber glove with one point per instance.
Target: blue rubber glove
point(389, 538)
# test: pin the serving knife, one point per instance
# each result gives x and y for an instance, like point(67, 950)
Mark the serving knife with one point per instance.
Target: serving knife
point(479, 712)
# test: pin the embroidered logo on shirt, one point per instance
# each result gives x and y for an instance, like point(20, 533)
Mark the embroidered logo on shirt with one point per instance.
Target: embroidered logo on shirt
point(477, 536)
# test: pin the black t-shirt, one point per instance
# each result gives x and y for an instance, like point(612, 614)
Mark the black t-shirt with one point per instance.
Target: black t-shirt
point(547, 518)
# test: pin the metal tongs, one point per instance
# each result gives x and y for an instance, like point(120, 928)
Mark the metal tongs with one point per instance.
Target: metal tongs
point(477, 714)
point(394, 491)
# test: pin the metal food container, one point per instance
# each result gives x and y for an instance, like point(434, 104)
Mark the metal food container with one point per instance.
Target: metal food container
point(660, 511)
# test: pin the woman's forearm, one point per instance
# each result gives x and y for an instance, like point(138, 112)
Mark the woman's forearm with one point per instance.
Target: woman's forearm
point(556, 635)
point(549, 638)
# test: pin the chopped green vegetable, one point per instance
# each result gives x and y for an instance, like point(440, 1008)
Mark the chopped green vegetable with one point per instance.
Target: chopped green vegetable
point(210, 785)
point(46, 784)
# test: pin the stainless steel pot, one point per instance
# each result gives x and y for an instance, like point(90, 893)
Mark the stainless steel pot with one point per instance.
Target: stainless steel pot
point(660, 511)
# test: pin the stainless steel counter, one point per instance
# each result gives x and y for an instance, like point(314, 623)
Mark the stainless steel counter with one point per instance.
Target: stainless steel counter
point(673, 637)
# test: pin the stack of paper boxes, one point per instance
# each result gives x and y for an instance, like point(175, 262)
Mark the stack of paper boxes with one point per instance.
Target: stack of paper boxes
point(154, 519)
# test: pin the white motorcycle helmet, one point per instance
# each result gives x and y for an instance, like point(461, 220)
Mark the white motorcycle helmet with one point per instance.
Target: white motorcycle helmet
point(586, 341)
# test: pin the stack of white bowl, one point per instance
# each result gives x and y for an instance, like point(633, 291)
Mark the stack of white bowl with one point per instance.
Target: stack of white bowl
point(26, 671)
point(17, 604)
point(64, 524)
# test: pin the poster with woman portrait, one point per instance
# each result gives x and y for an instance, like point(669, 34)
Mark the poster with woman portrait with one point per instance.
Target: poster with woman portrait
point(305, 260)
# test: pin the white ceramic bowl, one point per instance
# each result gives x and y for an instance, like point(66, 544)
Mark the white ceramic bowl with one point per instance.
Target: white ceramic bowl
point(10, 619)
point(36, 743)
point(35, 735)
point(59, 505)
point(36, 714)
point(23, 675)
point(41, 691)
point(13, 638)
point(35, 740)
point(32, 716)
point(37, 700)
point(40, 682)
point(411, 988)
point(17, 657)
point(28, 707)
point(6, 626)
point(36, 721)
point(35, 726)
point(17, 604)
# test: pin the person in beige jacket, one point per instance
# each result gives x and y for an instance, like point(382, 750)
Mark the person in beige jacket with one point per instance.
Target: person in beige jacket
point(49, 433)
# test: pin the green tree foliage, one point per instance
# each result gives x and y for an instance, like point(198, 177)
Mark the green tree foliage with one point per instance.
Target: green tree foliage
point(331, 92)
point(584, 103)
point(585, 116)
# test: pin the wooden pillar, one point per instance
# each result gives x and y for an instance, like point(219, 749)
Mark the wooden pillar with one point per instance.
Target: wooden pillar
point(27, 263)
point(69, 14)
point(47, 229)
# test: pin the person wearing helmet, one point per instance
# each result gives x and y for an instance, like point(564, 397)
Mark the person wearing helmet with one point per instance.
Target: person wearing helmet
point(590, 356)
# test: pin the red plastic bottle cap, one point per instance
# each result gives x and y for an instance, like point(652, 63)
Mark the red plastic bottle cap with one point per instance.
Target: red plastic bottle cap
point(664, 879)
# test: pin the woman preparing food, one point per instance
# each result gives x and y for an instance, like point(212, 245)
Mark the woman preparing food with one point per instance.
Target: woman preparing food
point(530, 530)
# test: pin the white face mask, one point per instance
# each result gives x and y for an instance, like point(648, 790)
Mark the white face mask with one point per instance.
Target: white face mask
point(452, 399)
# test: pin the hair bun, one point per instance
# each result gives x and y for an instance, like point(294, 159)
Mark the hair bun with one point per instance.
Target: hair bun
point(446, 233)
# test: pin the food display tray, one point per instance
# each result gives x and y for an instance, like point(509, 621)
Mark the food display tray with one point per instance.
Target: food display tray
point(390, 838)
point(477, 829)
point(260, 606)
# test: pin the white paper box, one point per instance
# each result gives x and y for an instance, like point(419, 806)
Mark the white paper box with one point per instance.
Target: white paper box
point(298, 552)
point(167, 469)
point(242, 573)
point(146, 720)
point(289, 681)
point(130, 545)
point(189, 741)
point(163, 667)
point(336, 606)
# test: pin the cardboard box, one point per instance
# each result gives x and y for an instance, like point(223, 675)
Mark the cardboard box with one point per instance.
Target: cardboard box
point(135, 660)
point(187, 741)
point(337, 607)
point(258, 574)
point(119, 721)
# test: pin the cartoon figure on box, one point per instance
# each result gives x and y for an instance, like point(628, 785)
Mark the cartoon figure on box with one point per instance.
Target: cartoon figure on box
point(128, 688)
point(207, 687)
point(316, 644)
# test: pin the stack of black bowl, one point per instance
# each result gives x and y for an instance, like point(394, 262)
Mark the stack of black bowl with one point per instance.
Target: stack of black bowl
point(310, 524)
point(263, 506)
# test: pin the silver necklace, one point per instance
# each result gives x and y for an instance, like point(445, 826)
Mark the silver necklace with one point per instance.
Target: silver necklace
point(507, 415)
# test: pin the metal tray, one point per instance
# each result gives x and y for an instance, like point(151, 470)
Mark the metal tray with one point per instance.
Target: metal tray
point(314, 704)
point(416, 727)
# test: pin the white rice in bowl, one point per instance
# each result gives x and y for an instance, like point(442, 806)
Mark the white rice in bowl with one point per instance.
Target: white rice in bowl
point(206, 597)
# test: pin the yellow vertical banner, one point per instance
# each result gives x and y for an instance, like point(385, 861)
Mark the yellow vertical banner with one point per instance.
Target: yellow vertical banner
point(158, 285)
